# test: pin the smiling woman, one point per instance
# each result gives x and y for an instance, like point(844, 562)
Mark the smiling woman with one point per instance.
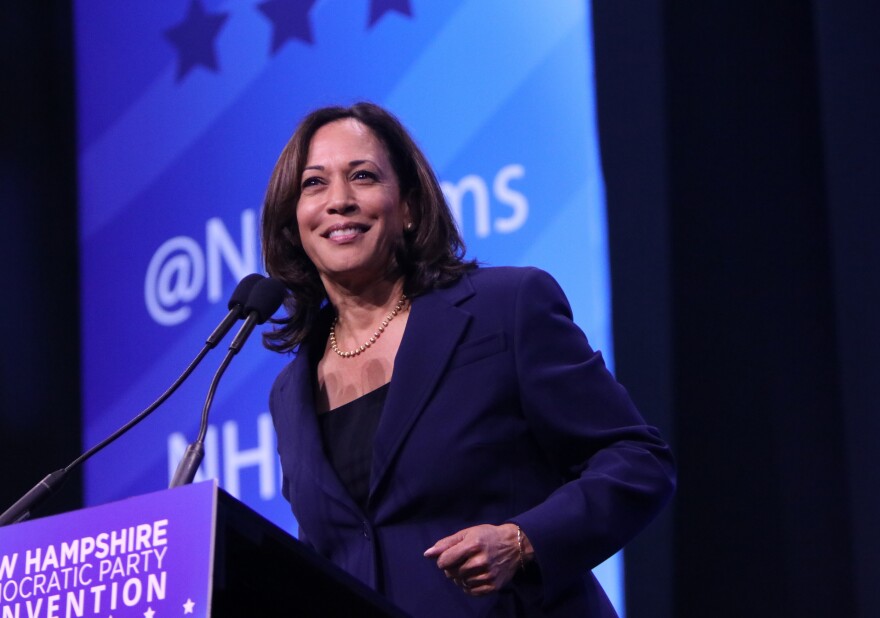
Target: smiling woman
point(425, 250)
point(350, 213)
point(446, 433)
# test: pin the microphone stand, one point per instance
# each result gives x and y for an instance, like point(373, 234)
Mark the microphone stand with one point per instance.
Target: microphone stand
point(195, 452)
point(22, 509)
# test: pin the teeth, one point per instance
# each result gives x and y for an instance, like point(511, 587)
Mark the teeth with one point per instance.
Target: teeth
point(344, 232)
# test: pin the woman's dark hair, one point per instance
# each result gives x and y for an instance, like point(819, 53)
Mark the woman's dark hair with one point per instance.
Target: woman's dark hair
point(431, 254)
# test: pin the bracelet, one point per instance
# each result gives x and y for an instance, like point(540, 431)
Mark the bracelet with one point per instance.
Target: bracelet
point(519, 543)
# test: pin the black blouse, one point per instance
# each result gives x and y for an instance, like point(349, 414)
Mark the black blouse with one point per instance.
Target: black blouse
point(347, 433)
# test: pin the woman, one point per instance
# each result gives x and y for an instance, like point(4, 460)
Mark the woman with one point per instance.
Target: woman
point(447, 435)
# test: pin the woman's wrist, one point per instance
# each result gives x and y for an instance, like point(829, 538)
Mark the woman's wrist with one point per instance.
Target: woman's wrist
point(524, 549)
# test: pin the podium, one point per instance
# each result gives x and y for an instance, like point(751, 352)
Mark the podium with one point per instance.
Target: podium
point(190, 551)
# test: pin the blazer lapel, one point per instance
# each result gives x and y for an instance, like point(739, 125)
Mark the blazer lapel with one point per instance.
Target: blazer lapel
point(307, 434)
point(433, 330)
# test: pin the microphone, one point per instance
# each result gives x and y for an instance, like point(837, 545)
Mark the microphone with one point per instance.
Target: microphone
point(22, 509)
point(264, 300)
point(236, 306)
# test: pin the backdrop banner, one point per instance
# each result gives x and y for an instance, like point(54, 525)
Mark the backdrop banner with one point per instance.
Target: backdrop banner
point(184, 106)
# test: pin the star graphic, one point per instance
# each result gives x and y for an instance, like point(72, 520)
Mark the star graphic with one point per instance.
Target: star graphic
point(149, 613)
point(290, 20)
point(378, 8)
point(188, 606)
point(194, 39)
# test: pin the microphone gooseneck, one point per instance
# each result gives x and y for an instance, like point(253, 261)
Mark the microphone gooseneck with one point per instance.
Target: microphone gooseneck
point(22, 509)
point(264, 300)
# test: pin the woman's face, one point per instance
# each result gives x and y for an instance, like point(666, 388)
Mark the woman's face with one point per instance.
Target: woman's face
point(350, 215)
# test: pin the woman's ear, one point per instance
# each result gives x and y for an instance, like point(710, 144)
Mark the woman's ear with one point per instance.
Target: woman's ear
point(408, 225)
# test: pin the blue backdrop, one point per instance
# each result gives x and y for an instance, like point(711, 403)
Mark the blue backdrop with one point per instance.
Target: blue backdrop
point(183, 107)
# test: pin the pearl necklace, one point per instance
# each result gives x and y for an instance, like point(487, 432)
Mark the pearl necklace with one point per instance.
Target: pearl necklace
point(363, 348)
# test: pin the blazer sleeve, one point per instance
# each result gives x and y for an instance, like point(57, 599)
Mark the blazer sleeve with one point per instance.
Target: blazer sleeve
point(617, 471)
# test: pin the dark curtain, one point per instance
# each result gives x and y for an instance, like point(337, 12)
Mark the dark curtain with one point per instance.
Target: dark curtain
point(39, 385)
point(739, 143)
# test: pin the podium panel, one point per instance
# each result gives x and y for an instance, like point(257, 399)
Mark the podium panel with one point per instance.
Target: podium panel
point(190, 551)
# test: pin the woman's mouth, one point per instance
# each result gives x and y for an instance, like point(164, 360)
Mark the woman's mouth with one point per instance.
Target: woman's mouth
point(345, 232)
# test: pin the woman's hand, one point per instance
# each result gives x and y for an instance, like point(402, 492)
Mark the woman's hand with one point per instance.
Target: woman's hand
point(482, 559)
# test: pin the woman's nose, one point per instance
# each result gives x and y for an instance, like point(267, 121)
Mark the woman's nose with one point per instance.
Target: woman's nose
point(341, 199)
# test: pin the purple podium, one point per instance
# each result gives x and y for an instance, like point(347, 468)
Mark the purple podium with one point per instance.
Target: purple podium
point(193, 550)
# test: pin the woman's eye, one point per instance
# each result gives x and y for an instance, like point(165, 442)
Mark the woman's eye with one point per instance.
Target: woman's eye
point(310, 182)
point(364, 175)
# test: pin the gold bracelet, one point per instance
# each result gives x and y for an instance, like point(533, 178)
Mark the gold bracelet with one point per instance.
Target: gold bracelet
point(519, 543)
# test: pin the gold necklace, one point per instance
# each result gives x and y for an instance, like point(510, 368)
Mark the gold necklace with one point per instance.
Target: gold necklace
point(363, 348)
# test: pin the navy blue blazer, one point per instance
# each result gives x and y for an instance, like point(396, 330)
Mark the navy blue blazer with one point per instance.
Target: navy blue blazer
point(498, 410)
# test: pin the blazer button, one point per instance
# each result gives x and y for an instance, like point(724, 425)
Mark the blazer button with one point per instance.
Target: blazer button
point(366, 529)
